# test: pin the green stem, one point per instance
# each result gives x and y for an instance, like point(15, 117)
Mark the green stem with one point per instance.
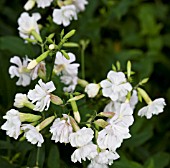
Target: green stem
point(82, 63)
point(37, 157)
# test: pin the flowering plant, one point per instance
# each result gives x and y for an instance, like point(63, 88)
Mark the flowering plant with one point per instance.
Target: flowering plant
point(56, 107)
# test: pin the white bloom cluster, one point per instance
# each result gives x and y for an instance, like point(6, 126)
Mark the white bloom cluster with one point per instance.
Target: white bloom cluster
point(66, 13)
point(20, 70)
point(68, 70)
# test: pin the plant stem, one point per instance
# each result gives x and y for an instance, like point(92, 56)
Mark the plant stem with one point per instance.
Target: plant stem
point(37, 157)
point(82, 63)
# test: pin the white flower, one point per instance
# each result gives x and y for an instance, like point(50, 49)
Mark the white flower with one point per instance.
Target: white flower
point(112, 136)
point(61, 130)
point(41, 95)
point(155, 107)
point(43, 3)
point(81, 137)
point(65, 65)
point(20, 99)
point(134, 99)
point(64, 15)
point(69, 80)
point(20, 70)
point(115, 86)
point(32, 134)
point(27, 24)
point(13, 123)
point(88, 151)
point(92, 89)
point(103, 158)
point(123, 115)
point(93, 164)
point(80, 4)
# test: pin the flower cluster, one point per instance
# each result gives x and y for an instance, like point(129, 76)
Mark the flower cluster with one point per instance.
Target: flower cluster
point(96, 139)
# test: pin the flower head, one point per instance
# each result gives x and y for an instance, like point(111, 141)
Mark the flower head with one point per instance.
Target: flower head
point(80, 5)
point(123, 115)
point(112, 136)
point(32, 134)
point(27, 24)
point(155, 107)
point(92, 89)
point(20, 70)
point(66, 66)
point(64, 15)
point(20, 99)
point(81, 137)
point(61, 129)
point(104, 158)
point(13, 123)
point(115, 86)
point(41, 95)
point(88, 151)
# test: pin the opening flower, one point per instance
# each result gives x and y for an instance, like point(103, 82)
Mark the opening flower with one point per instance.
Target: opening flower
point(32, 134)
point(64, 15)
point(41, 95)
point(20, 70)
point(27, 24)
point(13, 123)
point(81, 137)
point(153, 108)
point(115, 86)
point(61, 129)
point(92, 89)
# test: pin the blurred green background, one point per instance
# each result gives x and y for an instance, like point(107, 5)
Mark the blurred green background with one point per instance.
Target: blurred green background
point(118, 30)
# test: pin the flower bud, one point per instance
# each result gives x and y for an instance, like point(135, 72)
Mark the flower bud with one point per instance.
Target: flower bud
point(45, 123)
point(29, 5)
point(69, 34)
point(76, 98)
point(36, 36)
point(74, 124)
point(55, 99)
point(101, 123)
point(144, 95)
point(65, 54)
point(106, 114)
point(82, 82)
point(51, 47)
point(32, 64)
point(92, 89)
point(70, 44)
point(29, 117)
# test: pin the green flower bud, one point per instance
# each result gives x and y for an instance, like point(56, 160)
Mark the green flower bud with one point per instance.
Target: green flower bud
point(55, 99)
point(69, 34)
point(27, 117)
point(101, 123)
point(144, 95)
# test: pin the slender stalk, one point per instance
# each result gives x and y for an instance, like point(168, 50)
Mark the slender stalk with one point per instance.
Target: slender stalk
point(37, 157)
point(82, 63)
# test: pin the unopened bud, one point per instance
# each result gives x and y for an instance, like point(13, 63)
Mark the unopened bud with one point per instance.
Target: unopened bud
point(69, 34)
point(27, 117)
point(106, 114)
point(74, 124)
point(45, 123)
point(70, 44)
point(82, 82)
point(36, 36)
point(76, 98)
point(51, 47)
point(65, 54)
point(32, 64)
point(29, 5)
point(55, 99)
point(101, 123)
point(144, 95)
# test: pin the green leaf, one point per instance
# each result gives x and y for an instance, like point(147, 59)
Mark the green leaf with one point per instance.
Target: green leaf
point(54, 157)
